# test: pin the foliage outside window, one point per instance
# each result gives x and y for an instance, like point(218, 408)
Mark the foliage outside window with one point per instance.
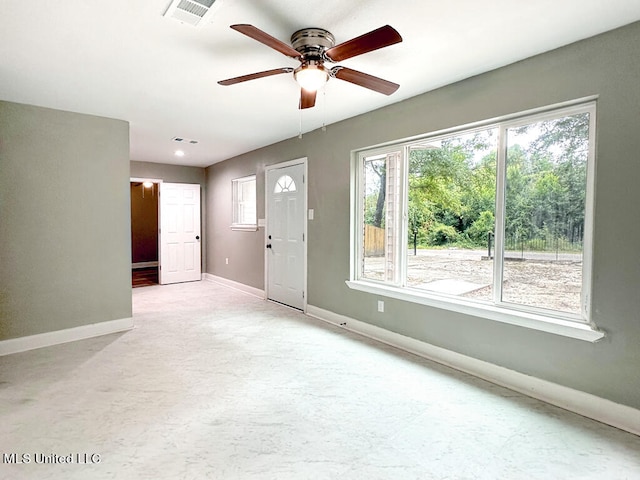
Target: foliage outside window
point(497, 215)
point(244, 203)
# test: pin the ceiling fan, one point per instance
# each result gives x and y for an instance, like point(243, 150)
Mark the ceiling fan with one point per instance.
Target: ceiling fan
point(312, 47)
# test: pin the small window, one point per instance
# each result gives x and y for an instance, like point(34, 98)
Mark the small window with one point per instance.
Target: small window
point(285, 184)
point(244, 203)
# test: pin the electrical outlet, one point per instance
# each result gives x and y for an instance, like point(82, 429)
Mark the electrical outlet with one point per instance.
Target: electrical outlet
point(226, 261)
point(381, 305)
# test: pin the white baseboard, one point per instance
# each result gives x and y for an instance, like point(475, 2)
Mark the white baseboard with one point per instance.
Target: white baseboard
point(256, 292)
point(48, 339)
point(582, 403)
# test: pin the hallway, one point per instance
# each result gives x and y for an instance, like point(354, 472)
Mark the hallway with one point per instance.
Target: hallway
point(144, 277)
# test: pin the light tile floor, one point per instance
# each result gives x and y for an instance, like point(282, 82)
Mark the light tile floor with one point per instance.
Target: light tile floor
point(214, 383)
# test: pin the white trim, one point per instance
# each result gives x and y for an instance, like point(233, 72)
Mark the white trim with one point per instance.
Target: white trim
point(585, 404)
point(236, 188)
point(288, 163)
point(499, 215)
point(144, 179)
point(48, 339)
point(144, 264)
point(566, 328)
point(244, 228)
point(589, 217)
point(256, 292)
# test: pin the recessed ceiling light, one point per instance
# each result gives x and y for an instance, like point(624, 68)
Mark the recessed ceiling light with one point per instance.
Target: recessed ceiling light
point(179, 153)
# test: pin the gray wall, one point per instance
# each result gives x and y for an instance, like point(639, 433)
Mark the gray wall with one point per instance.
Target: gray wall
point(607, 66)
point(178, 174)
point(65, 255)
point(243, 249)
point(168, 173)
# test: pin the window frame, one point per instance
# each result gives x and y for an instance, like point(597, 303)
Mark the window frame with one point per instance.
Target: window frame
point(576, 326)
point(236, 188)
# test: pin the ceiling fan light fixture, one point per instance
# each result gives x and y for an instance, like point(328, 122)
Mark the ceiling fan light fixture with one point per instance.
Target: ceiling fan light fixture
point(312, 47)
point(311, 77)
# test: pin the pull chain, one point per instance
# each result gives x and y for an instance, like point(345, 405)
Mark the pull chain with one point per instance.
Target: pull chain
point(324, 109)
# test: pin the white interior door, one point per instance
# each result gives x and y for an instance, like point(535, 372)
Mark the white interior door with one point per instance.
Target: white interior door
point(179, 233)
point(286, 225)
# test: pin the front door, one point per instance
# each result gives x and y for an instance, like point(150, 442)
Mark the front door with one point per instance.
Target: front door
point(179, 232)
point(286, 225)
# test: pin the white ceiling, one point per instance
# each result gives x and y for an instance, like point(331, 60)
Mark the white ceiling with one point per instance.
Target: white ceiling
point(123, 59)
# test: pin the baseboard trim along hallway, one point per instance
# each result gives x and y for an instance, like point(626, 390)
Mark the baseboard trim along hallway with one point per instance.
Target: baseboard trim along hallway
point(49, 339)
point(576, 401)
point(256, 292)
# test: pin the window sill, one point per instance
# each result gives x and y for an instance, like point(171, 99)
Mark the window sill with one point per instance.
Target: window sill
point(245, 228)
point(522, 319)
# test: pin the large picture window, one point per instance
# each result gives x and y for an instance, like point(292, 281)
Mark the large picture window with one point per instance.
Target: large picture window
point(497, 215)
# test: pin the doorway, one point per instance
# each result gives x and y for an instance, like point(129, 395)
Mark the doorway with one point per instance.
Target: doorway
point(286, 251)
point(165, 232)
point(144, 232)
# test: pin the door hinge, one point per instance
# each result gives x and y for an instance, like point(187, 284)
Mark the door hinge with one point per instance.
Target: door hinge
point(302, 294)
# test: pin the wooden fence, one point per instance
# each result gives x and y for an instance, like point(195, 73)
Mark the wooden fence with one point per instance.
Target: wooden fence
point(373, 241)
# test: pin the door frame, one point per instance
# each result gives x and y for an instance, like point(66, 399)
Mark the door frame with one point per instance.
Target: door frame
point(159, 182)
point(267, 169)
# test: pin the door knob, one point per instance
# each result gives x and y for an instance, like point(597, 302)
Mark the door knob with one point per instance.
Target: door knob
point(268, 245)
point(197, 237)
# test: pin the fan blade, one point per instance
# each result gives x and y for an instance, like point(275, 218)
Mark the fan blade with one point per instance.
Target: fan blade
point(364, 80)
point(307, 98)
point(380, 38)
point(268, 40)
point(253, 76)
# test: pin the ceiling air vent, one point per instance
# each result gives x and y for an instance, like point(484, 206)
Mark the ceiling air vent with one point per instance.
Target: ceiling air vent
point(184, 140)
point(192, 12)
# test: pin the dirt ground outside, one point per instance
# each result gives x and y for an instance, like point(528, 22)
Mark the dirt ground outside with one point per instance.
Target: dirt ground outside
point(546, 280)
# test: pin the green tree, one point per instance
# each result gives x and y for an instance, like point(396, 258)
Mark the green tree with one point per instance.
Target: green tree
point(375, 188)
point(480, 195)
point(556, 190)
point(481, 227)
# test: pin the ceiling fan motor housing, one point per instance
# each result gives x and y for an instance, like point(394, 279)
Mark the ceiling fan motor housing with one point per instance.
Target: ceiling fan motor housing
point(312, 43)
